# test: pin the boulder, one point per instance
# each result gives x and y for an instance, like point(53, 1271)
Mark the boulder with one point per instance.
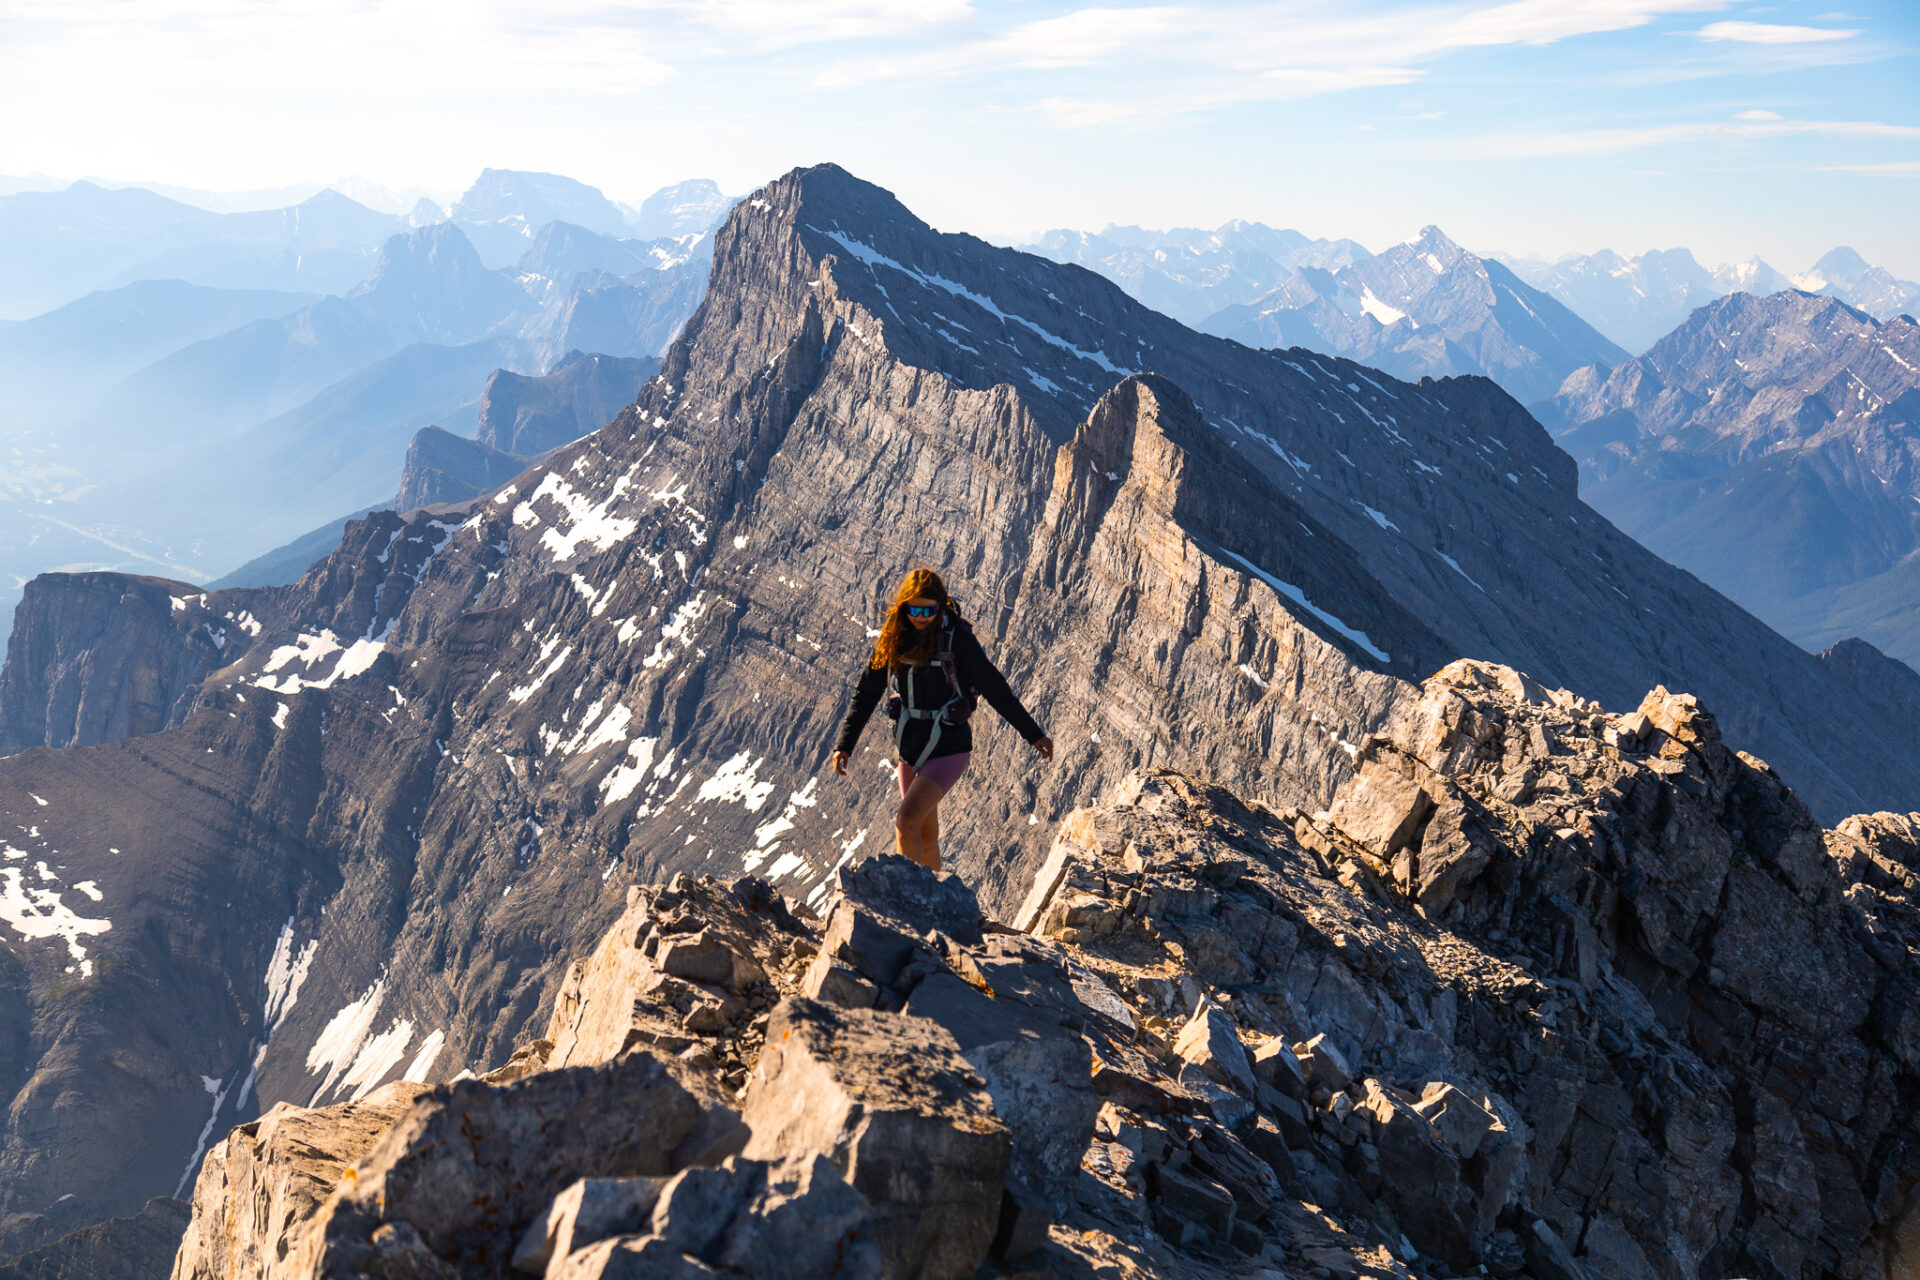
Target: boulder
point(696, 1206)
point(1211, 1042)
point(832, 982)
point(1381, 807)
point(471, 1164)
point(1324, 1066)
point(1217, 1153)
point(889, 1099)
point(1454, 848)
point(261, 1187)
point(1276, 1066)
point(1193, 1197)
point(1458, 1119)
point(795, 1219)
point(1420, 1176)
point(921, 899)
point(698, 957)
point(803, 1221)
point(589, 1210)
point(873, 946)
point(1038, 1073)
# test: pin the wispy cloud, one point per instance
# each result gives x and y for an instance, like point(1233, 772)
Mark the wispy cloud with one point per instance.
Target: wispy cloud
point(1890, 169)
point(1771, 33)
point(605, 46)
point(1081, 38)
point(325, 46)
point(1596, 142)
point(764, 25)
point(1195, 58)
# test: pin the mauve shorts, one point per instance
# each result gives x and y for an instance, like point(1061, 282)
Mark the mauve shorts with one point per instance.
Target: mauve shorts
point(943, 771)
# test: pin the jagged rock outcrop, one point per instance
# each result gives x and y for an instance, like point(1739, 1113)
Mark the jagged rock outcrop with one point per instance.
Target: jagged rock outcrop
point(277, 1170)
point(521, 419)
point(1548, 992)
point(443, 468)
point(428, 779)
point(100, 656)
point(531, 416)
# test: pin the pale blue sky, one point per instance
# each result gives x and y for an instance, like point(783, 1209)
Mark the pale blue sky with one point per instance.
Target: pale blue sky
point(1534, 126)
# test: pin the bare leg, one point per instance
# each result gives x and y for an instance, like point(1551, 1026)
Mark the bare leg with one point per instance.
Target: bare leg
point(909, 824)
point(930, 836)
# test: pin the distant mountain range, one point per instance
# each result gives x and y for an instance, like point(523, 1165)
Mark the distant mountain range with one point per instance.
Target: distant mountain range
point(182, 426)
point(1276, 287)
point(281, 378)
point(1424, 308)
point(56, 246)
point(1635, 301)
point(1772, 446)
point(1190, 274)
point(59, 245)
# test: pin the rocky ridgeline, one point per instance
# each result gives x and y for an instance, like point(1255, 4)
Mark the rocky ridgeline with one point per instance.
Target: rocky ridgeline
point(1545, 992)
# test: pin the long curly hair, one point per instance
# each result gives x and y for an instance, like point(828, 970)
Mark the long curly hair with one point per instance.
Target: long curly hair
point(899, 641)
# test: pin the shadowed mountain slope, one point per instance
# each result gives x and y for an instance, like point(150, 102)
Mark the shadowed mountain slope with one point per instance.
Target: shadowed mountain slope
point(1768, 445)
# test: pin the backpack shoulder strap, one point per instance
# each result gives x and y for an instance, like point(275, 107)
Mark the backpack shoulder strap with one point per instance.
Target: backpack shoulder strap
point(949, 664)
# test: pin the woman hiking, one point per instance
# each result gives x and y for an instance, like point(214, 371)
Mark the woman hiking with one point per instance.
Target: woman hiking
point(928, 658)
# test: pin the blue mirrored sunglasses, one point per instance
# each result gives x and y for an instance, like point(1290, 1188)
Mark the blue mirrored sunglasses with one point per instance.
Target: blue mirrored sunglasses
point(922, 610)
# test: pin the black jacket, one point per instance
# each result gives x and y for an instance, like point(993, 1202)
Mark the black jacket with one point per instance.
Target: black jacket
point(926, 687)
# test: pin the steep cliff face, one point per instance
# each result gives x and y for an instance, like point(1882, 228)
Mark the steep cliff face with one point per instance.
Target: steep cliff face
point(444, 468)
point(529, 416)
point(100, 656)
point(453, 744)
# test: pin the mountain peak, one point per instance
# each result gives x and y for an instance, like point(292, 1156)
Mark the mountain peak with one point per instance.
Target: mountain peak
point(437, 269)
point(526, 201)
point(327, 199)
point(1433, 238)
point(1437, 249)
point(1842, 264)
point(683, 209)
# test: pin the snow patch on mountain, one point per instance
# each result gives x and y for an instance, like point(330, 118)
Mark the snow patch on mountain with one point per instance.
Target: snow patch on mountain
point(1299, 597)
point(736, 781)
point(35, 913)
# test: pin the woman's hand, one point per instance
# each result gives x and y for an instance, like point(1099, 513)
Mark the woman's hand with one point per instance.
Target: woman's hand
point(1045, 747)
point(840, 763)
